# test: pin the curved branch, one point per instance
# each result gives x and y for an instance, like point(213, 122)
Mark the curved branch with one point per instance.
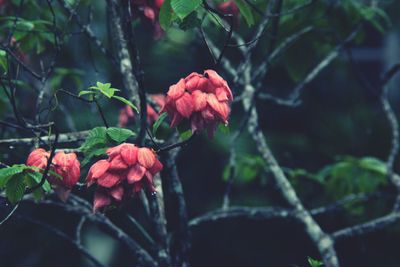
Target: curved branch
point(253, 213)
point(62, 235)
point(373, 225)
point(81, 207)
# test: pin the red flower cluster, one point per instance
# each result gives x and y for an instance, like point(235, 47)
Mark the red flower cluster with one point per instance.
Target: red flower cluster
point(229, 7)
point(127, 114)
point(150, 9)
point(65, 165)
point(126, 171)
point(203, 99)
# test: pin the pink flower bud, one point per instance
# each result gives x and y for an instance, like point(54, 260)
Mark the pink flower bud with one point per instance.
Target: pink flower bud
point(38, 158)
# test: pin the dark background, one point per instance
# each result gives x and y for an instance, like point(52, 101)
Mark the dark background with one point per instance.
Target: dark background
point(338, 117)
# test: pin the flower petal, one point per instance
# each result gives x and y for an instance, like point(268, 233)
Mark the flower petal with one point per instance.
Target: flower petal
point(175, 91)
point(159, 99)
point(114, 151)
point(129, 154)
point(97, 170)
point(117, 163)
point(146, 157)
point(157, 167)
point(199, 100)
point(221, 108)
point(149, 13)
point(101, 199)
point(184, 105)
point(152, 115)
point(117, 192)
point(214, 78)
point(137, 187)
point(62, 192)
point(135, 173)
point(109, 180)
point(197, 122)
point(176, 119)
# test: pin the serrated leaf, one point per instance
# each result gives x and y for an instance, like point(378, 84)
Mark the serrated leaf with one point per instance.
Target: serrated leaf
point(15, 188)
point(46, 186)
point(245, 11)
point(36, 176)
point(184, 7)
point(158, 122)
point(31, 180)
point(92, 154)
point(165, 16)
point(127, 102)
point(7, 173)
point(97, 136)
point(119, 135)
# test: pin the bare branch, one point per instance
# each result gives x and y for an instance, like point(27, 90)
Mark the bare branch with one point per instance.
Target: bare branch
point(367, 227)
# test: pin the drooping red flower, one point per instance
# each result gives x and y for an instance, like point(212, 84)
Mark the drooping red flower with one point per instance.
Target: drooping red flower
point(66, 166)
point(127, 114)
point(38, 158)
point(126, 171)
point(203, 99)
point(229, 7)
point(149, 9)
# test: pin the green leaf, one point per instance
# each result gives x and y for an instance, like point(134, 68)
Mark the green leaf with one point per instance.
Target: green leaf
point(105, 89)
point(313, 262)
point(184, 7)
point(15, 188)
point(246, 12)
point(185, 135)
point(92, 154)
point(158, 122)
point(351, 175)
point(7, 173)
point(165, 16)
point(190, 22)
point(46, 186)
point(97, 137)
point(119, 135)
point(127, 102)
point(36, 176)
point(376, 16)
